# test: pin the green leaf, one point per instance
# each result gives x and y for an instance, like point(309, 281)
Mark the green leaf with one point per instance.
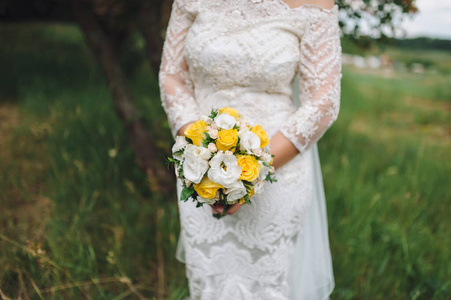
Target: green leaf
point(213, 114)
point(189, 140)
point(170, 161)
point(271, 178)
point(207, 140)
point(186, 193)
point(179, 152)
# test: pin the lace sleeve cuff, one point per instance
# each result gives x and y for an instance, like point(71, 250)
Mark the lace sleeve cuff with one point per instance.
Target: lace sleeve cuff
point(319, 78)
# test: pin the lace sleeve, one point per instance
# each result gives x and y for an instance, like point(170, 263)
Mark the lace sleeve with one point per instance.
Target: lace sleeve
point(319, 78)
point(176, 87)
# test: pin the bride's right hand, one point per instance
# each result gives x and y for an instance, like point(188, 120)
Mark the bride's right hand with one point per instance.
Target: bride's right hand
point(182, 130)
point(233, 209)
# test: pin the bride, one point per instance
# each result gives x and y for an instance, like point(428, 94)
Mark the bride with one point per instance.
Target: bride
point(247, 54)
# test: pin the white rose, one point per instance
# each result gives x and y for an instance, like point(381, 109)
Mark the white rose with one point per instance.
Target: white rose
point(208, 201)
point(228, 152)
point(224, 176)
point(213, 125)
point(180, 143)
point(213, 133)
point(258, 186)
point(249, 141)
point(235, 191)
point(202, 152)
point(225, 121)
point(194, 167)
point(212, 147)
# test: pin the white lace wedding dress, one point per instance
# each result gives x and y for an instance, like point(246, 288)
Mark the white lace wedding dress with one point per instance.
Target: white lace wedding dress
point(246, 54)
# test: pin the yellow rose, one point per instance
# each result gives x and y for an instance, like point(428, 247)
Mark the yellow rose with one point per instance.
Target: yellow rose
point(264, 140)
point(227, 139)
point(195, 132)
point(231, 111)
point(250, 168)
point(206, 188)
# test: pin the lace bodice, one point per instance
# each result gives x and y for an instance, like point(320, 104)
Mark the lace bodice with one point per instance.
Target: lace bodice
point(252, 49)
point(246, 54)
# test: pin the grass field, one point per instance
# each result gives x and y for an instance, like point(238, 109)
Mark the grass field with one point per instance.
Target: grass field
point(79, 221)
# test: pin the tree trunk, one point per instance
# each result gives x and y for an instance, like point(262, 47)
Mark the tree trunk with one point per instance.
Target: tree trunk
point(140, 137)
point(150, 25)
point(153, 20)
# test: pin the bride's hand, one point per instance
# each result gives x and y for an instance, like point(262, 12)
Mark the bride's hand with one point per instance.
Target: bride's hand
point(233, 209)
point(282, 149)
point(182, 130)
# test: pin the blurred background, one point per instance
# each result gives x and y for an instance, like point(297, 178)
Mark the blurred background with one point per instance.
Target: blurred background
point(87, 207)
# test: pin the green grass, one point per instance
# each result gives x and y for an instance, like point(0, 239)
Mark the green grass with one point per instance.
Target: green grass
point(387, 184)
point(79, 220)
point(438, 60)
point(101, 216)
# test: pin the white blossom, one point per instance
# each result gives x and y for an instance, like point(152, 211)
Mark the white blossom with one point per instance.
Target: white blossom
point(266, 157)
point(206, 119)
point(257, 151)
point(225, 121)
point(224, 176)
point(202, 152)
point(264, 171)
point(195, 163)
point(258, 186)
point(180, 143)
point(235, 191)
point(204, 200)
point(213, 133)
point(212, 147)
point(249, 141)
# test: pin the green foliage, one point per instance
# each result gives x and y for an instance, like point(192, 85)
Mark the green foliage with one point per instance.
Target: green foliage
point(249, 187)
point(207, 140)
point(271, 178)
point(385, 185)
point(213, 114)
point(95, 228)
point(186, 193)
point(423, 43)
point(98, 225)
point(380, 17)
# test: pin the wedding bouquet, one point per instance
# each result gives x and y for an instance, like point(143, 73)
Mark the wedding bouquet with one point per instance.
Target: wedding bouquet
point(222, 160)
